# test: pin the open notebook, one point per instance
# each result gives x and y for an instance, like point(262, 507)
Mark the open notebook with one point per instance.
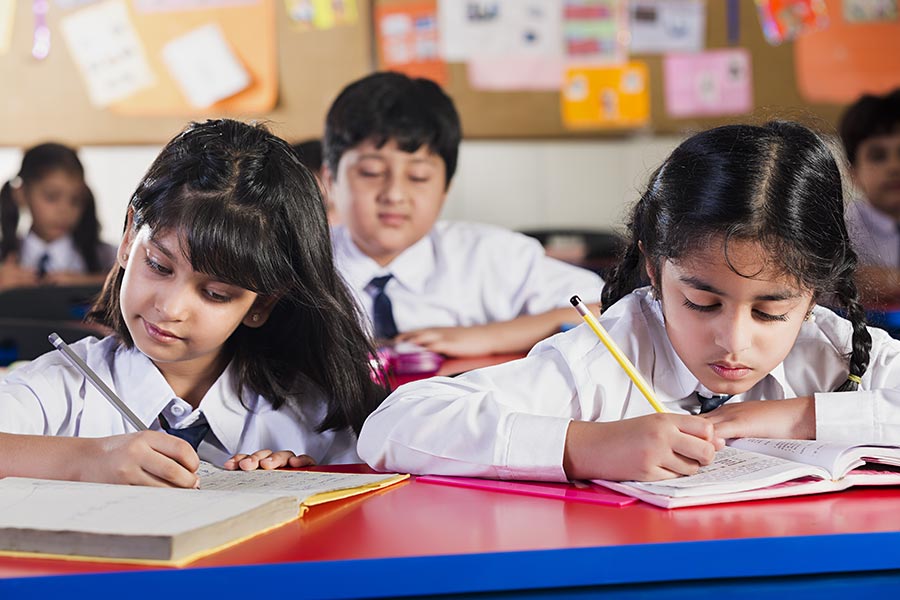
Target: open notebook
point(751, 469)
point(161, 525)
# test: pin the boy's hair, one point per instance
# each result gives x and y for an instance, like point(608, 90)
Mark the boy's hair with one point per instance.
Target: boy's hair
point(869, 116)
point(310, 152)
point(777, 184)
point(391, 106)
point(36, 164)
point(248, 213)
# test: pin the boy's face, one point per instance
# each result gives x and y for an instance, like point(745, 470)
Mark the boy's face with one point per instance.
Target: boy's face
point(877, 172)
point(388, 199)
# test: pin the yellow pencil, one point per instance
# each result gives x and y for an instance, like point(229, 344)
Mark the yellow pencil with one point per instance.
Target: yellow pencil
point(623, 361)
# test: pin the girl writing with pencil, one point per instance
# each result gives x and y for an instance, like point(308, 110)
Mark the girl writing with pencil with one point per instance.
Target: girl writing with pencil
point(232, 330)
point(740, 232)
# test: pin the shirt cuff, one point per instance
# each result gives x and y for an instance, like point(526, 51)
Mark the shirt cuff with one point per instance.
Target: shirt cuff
point(845, 416)
point(535, 449)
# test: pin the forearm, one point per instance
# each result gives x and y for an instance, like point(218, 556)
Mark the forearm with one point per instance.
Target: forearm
point(520, 334)
point(41, 457)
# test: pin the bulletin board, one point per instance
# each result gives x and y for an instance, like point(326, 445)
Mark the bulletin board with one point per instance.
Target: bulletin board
point(48, 99)
point(493, 114)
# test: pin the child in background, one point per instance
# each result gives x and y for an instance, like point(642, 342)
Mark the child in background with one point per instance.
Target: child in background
point(63, 245)
point(310, 152)
point(739, 232)
point(459, 289)
point(870, 132)
point(232, 330)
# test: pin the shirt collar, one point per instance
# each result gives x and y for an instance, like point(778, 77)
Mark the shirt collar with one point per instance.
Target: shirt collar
point(882, 223)
point(146, 392)
point(411, 268)
point(60, 251)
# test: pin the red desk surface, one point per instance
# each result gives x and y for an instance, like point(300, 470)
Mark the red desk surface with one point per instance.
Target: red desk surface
point(415, 519)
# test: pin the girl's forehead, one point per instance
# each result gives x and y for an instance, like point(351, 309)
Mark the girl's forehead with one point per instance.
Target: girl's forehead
point(749, 260)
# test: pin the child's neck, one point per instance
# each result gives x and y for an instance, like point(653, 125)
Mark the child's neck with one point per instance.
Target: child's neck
point(191, 381)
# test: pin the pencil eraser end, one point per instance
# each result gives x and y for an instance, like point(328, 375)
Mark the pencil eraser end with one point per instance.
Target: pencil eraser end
point(54, 339)
point(575, 300)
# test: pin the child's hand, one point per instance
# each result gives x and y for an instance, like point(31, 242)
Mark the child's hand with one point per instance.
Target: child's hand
point(477, 340)
point(648, 448)
point(790, 419)
point(145, 458)
point(266, 459)
point(12, 275)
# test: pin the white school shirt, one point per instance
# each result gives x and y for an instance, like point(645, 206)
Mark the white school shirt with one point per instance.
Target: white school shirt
point(464, 274)
point(509, 421)
point(63, 255)
point(875, 236)
point(48, 396)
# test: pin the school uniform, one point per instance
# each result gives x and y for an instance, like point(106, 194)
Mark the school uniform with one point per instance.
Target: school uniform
point(875, 236)
point(60, 255)
point(510, 421)
point(464, 274)
point(48, 396)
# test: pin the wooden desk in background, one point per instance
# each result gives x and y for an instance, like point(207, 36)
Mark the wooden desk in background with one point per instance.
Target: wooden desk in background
point(423, 539)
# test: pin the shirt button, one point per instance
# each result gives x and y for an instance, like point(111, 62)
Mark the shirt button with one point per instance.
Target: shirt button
point(177, 410)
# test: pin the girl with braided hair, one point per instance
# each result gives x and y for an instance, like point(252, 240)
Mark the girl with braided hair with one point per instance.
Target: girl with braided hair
point(739, 234)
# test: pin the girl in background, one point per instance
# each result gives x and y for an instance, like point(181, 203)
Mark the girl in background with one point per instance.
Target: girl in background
point(63, 244)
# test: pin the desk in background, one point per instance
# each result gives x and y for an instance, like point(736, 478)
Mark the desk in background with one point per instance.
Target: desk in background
point(418, 539)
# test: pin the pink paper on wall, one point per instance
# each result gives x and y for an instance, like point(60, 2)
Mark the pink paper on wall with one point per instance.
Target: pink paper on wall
point(711, 83)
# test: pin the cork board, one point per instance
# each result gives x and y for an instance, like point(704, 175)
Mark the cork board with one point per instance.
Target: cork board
point(48, 99)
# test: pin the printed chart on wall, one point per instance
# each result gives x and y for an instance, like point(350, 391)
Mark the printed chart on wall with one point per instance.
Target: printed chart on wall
point(176, 57)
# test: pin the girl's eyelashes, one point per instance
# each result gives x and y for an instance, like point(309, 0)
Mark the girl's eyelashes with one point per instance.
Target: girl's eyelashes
point(700, 307)
point(763, 316)
point(217, 297)
point(155, 266)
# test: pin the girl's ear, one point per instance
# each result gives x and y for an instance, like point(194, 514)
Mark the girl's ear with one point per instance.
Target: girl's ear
point(260, 311)
point(648, 268)
point(127, 239)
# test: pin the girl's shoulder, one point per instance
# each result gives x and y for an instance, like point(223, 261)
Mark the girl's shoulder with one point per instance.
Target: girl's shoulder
point(54, 369)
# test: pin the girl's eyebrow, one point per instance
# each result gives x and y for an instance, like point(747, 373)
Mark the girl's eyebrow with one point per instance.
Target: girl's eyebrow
point(701, 285)
point(162, 249)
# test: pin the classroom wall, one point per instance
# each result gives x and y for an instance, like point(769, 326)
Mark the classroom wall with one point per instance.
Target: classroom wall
point(516, 184)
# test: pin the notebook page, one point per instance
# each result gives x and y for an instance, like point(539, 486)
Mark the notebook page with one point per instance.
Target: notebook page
point(732, 470)
point(837, 457)
point(300, 484)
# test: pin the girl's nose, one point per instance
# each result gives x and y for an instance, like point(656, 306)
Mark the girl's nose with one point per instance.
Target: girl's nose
point(172, 304)
point(734, 333)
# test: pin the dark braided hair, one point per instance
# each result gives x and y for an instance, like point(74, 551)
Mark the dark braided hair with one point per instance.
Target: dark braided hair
point(778, 184)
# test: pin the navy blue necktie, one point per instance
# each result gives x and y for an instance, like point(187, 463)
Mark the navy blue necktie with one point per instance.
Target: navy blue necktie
point(713, 402)
point(382, 311)
point(42, 265)
point(193, 435)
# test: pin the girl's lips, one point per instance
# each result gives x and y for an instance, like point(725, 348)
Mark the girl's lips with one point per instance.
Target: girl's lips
point(160, 335)
point(732, 373)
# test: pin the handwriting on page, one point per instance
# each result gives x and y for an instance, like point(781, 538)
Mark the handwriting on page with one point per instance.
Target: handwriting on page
point(301, 484)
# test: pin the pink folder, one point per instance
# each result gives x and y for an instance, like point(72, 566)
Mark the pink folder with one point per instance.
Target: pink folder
point(562, 491)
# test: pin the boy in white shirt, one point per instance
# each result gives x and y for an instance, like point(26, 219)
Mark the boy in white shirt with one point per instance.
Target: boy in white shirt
point(870, 132)
point(459, 289)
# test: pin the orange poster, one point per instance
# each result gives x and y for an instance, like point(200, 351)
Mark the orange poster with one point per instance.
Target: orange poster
point(840, 63)
point(609, 97)
point(408, 40)
point(248, 29)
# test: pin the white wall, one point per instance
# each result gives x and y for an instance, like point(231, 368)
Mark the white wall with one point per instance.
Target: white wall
point(517, 184)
